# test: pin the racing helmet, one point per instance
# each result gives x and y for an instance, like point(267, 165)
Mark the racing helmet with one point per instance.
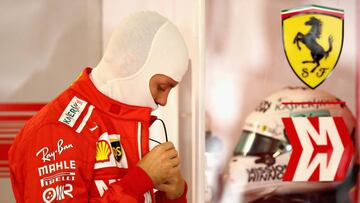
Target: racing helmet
point(263, 151)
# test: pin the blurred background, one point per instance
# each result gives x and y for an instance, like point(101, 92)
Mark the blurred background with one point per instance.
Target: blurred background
point(245, 63)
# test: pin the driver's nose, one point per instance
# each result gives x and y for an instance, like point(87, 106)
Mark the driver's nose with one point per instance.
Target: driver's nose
point(161, 99)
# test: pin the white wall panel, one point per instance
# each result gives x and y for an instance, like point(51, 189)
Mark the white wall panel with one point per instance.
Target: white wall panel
point(44, 46)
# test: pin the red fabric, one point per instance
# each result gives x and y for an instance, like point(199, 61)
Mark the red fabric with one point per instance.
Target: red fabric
point(83, 147)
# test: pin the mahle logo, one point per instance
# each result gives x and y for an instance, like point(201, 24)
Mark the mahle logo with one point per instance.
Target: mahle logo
point(312, 39)
point(322, 149)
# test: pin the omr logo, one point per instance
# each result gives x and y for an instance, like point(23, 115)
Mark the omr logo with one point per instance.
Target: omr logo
point(322, 149)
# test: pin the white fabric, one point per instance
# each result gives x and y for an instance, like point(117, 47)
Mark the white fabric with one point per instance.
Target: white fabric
point(144, 44)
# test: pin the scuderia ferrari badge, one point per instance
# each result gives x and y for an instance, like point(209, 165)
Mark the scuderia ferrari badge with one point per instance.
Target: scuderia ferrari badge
point(313, 38)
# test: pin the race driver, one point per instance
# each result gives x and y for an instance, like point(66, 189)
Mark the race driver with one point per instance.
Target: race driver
point(91, 143)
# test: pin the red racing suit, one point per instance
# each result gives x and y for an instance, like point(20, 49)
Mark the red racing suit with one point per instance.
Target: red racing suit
point(83, 147)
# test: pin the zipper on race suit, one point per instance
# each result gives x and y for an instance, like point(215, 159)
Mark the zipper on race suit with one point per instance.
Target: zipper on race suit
point(147, 195)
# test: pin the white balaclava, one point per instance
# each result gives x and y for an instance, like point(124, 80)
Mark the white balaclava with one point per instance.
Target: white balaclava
point(144, 44)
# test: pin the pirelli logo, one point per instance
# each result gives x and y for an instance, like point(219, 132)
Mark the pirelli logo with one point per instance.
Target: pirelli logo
point(72, 111)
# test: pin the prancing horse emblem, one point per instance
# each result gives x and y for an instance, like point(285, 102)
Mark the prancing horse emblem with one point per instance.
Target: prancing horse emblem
point(309, 39)
point(312, 38)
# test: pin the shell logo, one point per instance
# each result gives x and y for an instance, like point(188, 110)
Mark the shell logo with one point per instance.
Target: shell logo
point(102, 151)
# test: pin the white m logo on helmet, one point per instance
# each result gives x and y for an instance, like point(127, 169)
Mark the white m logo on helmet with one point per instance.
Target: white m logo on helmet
point(322, 149)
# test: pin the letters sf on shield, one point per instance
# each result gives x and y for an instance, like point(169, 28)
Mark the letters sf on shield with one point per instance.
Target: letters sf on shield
point(322, 149)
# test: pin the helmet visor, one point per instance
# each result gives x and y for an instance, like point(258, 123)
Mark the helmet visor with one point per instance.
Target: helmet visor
point(255, 144)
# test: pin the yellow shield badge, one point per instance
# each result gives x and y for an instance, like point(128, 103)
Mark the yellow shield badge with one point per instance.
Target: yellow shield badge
point(312, 39)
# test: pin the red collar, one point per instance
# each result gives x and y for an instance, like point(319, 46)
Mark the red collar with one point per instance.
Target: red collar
point(85, 87)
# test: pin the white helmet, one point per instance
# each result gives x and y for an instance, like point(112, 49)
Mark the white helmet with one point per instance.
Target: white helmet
point(263, 151)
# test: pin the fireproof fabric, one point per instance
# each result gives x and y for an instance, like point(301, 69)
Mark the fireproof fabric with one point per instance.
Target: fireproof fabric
point(144, 44)
point(83, 147)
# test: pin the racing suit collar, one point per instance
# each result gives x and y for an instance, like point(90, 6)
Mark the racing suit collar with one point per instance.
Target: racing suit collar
point(85, 87)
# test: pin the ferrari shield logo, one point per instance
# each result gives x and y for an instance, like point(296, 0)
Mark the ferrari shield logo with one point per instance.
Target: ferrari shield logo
point(312, 38)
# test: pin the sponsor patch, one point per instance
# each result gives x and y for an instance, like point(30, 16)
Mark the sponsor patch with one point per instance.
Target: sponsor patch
point(110, 152)
point(263, 106)
point(58, 177)
point(58, 193)
point(310, 104)
point(72, 111)
point(102, 151)
point(48, 155)
point(117, 149)
point(268, 173)
point(61, 165)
